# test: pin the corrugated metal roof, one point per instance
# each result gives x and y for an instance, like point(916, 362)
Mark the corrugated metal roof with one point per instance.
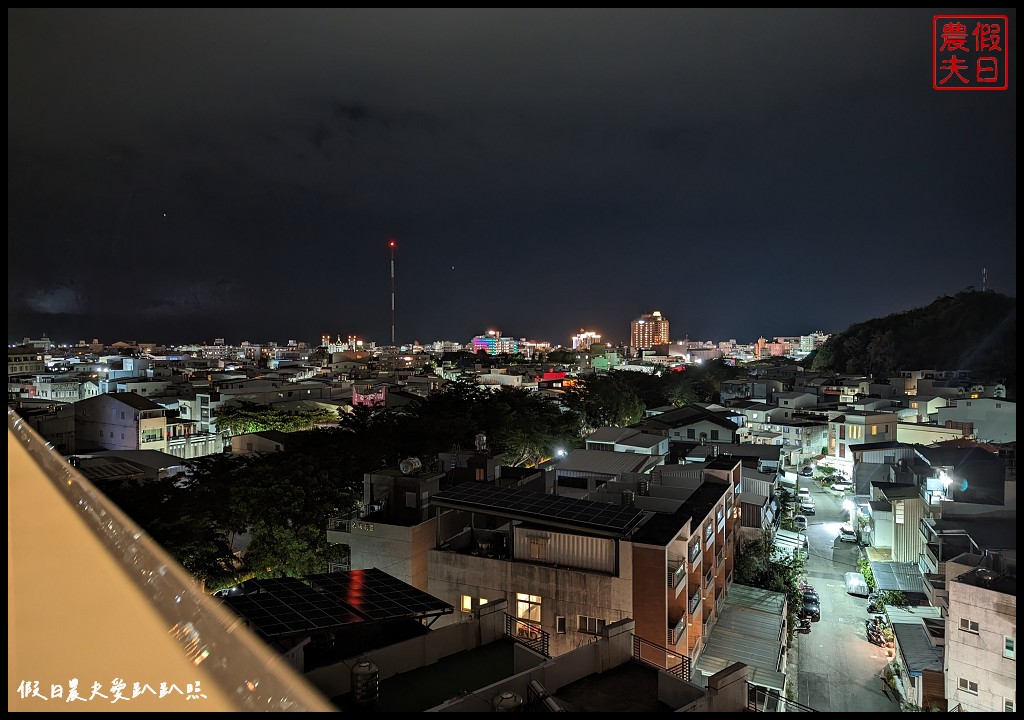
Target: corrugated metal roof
point(602, 461)
point(898, 576)
point(916, 648)
point(748, 631)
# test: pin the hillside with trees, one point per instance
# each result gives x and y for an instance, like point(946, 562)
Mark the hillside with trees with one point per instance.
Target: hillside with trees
point(971, 330)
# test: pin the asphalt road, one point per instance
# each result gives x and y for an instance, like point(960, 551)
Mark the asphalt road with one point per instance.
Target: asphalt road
point(837, 668)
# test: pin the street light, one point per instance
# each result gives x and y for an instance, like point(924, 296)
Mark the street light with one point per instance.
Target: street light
point(850, 507)
point(945, 480)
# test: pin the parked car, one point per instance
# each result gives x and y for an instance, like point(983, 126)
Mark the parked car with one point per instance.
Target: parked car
point(807, 506)
point(807, 471)
point(856, 584)
point(847, 534)
point(800, 521)
point(811, 595)
point(842, 486)
point(803, 493)
point(811, 609)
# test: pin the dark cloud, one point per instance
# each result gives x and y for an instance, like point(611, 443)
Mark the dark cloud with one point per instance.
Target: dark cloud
point(746, 172)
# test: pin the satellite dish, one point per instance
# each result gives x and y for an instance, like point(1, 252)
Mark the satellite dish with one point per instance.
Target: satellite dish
point(410, 465)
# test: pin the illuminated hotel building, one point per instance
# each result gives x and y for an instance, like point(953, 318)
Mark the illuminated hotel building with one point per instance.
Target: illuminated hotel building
point(647, 331)
point(494, 344)
point(584, 340)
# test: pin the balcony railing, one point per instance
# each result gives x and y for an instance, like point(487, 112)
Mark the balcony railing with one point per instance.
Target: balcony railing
point(662, 658)
point(720, 557)
point(709, 580)
point(677, 632)
point(528, 633)
point(676, 571)
point(694, 603)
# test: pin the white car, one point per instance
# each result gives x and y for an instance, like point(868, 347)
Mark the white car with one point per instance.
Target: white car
point(846, 534)
point(803, 494)
point(842, 486)
point(800, 521)
point(807, 506)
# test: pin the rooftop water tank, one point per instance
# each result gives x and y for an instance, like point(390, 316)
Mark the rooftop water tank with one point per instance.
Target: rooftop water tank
point(365, 682)
point(507, 701)
point(410, 465)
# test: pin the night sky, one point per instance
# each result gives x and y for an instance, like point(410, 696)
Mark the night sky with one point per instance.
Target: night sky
point(181, 175)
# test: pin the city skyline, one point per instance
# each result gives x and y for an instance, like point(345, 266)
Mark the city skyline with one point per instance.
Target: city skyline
point(194, 173)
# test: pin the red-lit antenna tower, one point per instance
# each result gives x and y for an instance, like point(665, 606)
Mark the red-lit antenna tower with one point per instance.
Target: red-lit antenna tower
point(391, 247)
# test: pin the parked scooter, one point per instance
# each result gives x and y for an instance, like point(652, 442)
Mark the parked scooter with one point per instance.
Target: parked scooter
point(804, 625)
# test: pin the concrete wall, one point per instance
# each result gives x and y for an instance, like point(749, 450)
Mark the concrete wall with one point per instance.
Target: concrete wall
point(487, 626)
point(565, 592)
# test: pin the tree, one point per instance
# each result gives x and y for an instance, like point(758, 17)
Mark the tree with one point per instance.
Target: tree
point(249, 417)
point(606, 400)
point(759, 564)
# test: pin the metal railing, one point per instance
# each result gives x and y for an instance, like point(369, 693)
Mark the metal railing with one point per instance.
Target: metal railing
point(648, 653)
point(677, 631)
point(528, 633)
point(694, 602)
point(676, 571)
point(761, 699)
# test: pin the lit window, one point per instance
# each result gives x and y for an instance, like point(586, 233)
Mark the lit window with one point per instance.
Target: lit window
point(528, 607)
point(467, 604)
point(874, 429)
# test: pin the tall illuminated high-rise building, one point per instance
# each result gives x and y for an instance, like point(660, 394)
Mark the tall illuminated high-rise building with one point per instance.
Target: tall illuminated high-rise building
point(647, 331)
point(584, 340)
point(493, 343)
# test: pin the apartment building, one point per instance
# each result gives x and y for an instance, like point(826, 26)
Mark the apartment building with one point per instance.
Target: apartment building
point(648, 331)
point(981, 634)
point(991, 420)
point(128, 421)
point(657, 550)
point(855, 427)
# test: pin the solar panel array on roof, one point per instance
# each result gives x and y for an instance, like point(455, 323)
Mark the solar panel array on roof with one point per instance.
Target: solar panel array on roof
point(541, 506)
point(376, 595)
point(290, 607)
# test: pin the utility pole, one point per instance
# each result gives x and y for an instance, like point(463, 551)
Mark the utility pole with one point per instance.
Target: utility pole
point(391, 245)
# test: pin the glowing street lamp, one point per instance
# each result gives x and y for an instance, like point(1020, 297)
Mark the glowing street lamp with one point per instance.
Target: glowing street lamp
point(945, 480)
point(850, 507)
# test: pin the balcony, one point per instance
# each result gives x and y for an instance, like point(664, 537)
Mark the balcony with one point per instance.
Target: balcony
point(694, 603)
point(676, 573)
point(935, 588)
point(709, 581)
point(719, 558)
point(931, 551)
point(676, 632)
